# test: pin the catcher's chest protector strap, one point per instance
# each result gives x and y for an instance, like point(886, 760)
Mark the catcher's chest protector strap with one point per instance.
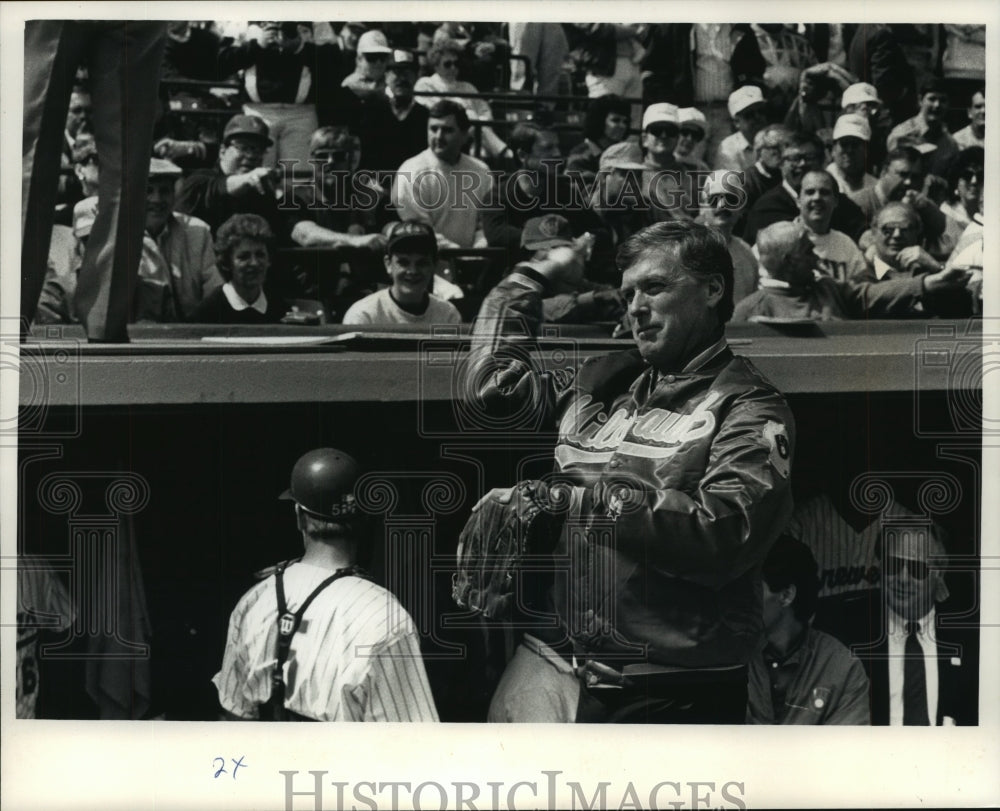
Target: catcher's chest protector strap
point(288, 624)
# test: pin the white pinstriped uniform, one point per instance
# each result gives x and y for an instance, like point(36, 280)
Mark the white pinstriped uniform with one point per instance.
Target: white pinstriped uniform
point(847, 558)
point(356, 656)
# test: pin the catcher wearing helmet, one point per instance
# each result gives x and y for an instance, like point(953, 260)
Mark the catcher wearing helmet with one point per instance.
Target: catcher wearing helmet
point(316, 639)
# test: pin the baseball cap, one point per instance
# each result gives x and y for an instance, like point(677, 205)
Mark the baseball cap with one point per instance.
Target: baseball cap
point(160, 167)
point(84, 214)
point(721, 181)
point(655, 113)
point(744, 97)
point(402, 59)
point(323, 483)
point(249, 125)
point(859, 93)
point(373, 42)
point(623, 155)
point(549, 231)
point(418, 234)
point(691, 115)
point(852, 125)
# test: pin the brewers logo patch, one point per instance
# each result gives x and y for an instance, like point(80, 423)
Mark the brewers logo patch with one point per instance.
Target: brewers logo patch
point(780, 451)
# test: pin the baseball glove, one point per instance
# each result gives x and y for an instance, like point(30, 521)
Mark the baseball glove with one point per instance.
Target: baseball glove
point(492, 544)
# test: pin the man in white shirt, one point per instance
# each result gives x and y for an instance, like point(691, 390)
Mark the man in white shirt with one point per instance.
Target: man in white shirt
point(837, 254)
point(443, 187)
point(975, 133)
point(923, 673)
point(409, 260)
point(746, 107)
point(851, 135)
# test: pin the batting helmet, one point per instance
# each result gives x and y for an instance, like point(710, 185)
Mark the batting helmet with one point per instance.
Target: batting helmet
point(323, 483)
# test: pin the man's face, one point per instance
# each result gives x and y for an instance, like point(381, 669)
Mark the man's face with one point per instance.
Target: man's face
point(720, 213)
point(672, 312)
point(445, 139)
point(909, 586)
point(894, 230)
point(750, 120)
point(159, 202)
point(659, 139)
point(797, 160)
point(250, 261)
point(690, 136)
point(544, 152)
point(372, 66)
point(241, 154)
point(933, 107)
point(410, 273)
point(400, 80)
point(769, 153)
point(817, 197)
point(615, 127)
point(977, 112)
point(901, 176)
point(79, 113)
point(849, 156)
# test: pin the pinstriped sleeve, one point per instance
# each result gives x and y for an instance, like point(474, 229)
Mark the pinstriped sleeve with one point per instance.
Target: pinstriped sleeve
point(232, 678)
point(398, 689)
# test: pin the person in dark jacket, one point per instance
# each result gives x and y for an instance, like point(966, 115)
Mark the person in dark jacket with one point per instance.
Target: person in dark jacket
point(672, 466)
point(243, 250)
point(875, 57)
point(802, 153)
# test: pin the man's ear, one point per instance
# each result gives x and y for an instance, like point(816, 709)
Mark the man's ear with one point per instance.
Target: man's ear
point(716, 289)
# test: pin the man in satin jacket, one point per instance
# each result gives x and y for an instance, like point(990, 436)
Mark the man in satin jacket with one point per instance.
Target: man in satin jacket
point(672, 464)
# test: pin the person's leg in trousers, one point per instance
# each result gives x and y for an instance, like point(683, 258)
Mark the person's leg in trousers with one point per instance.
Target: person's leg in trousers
point(125, 61)
point(52, 51)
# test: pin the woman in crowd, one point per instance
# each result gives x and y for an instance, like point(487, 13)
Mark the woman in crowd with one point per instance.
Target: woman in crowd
point(606, 123)
point(243, 248)
point(444, 58)
point(965, 183)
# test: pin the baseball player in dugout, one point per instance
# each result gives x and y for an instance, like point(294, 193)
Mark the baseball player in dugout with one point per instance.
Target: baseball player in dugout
point(316, 639)
point(670, 483)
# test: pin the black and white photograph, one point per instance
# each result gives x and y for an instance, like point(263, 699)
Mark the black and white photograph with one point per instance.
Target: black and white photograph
point(477, 370)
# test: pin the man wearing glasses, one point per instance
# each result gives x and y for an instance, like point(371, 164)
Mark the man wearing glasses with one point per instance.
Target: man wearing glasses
point(923, 672)
point(239, 183)
point(898, 253)
point(802, 153)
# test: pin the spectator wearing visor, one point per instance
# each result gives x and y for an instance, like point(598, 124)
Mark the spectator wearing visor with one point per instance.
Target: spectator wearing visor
point(747, 109)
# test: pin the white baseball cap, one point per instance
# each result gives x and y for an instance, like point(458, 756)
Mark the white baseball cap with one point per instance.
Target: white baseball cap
point(852, 125)
point(656, 113)
point(744, 97)
point(859, 93)
point(373, 42)
point(690, 115)
point(721, 181)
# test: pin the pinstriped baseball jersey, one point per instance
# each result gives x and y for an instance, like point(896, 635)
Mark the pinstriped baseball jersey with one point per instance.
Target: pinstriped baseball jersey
point(42, 604)
point(355, 657)
point(847, 558)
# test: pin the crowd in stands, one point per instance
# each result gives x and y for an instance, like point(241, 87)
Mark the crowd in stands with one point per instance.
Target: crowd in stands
point(844, 164)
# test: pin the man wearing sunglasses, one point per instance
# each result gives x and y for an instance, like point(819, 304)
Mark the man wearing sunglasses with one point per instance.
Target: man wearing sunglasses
point(923, 672)
point(748, 111)
point(373, 58)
